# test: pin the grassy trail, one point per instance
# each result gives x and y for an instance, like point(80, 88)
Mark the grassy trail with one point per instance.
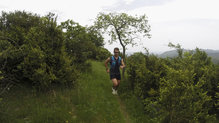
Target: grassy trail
point(98, 85)
point(91, 101)
point(123, 110)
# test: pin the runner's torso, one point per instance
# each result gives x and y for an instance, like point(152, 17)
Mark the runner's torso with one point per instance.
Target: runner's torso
point(115, 69)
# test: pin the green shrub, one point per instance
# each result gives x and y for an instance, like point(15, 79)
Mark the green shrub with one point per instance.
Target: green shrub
point(35, 51)
point(102, 54)
point(181, 99)
point(81, 42)
point(144, 72)
point(181, 89)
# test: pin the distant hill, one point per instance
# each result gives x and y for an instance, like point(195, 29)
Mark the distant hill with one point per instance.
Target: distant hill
point(212, 53)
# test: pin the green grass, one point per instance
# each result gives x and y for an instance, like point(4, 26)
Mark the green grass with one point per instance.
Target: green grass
point(95, 101)
point(133, 105)
point(23, 105)
point(91, 101)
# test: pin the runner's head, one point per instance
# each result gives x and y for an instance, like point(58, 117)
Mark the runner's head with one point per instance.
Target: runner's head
point(116, 51)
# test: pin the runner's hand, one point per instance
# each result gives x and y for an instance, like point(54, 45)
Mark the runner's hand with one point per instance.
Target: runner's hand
point(122, 67)
point(107, 70)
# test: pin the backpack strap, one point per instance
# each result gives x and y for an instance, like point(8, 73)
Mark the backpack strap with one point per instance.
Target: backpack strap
point(120, 59)
point(113, 61)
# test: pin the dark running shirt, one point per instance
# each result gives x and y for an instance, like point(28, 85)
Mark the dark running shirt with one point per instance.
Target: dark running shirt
point(115, 70)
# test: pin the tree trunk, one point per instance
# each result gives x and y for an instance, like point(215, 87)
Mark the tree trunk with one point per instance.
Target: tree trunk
point(124, 60)
point(123, 46)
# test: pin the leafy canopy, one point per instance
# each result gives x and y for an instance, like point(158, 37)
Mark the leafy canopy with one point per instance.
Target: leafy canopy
point(122, 26)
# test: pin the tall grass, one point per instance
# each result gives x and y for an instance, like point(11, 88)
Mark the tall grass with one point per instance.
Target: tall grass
point(91, 101)
point(133, 104)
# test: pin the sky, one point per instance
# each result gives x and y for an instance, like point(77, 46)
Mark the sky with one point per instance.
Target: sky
point(191, 23)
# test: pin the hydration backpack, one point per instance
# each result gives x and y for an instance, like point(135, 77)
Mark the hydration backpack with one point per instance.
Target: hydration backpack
point(113, 61)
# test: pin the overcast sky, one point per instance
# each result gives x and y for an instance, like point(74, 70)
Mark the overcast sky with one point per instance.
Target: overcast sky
point(191, 23)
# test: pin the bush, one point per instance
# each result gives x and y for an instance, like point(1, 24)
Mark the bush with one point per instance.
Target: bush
point(81, 42)
point(181, 98)
point(144, 72)
point(102, 54)
point(181, 89)
point(35, 51)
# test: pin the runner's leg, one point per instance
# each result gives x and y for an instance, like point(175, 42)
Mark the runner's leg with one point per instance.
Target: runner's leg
point(115, 83)
point(118, 82)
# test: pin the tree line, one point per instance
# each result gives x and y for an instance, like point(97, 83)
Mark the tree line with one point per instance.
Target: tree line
point(36, 50)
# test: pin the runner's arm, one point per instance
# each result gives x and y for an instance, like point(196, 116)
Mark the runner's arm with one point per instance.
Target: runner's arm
point(123, 64)
point(106, 63)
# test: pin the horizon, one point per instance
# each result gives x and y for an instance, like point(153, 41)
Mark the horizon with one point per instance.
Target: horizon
point(159, 53)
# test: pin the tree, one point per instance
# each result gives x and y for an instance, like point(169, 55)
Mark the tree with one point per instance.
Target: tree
point(32, 50)
point(123, 27)
point(178, 48)
point(95, 36)
point(13, 29)
point(81, 42)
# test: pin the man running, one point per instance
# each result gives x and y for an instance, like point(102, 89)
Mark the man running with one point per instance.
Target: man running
point(116, 62)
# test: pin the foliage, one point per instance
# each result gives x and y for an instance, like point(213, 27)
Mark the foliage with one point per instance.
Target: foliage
point(181, 89)
point(178, 47)
point(35, 50)
point(123, 26)
point(81, 42)
point(102, 54)
point(144, 72)
point(1, 77)
point(181, 98)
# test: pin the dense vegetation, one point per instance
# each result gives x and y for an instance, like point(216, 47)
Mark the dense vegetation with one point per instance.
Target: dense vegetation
point(36, 50)
point(177, 90)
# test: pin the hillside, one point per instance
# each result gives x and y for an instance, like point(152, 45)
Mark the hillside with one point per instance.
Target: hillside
point(212, 53)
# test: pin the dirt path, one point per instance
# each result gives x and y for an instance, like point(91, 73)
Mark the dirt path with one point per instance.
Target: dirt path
point(123, 110)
